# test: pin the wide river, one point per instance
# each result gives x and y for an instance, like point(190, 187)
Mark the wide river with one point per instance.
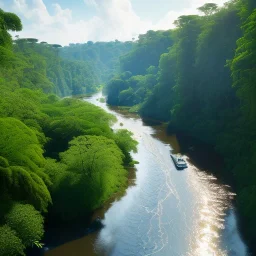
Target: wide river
point(164, 212)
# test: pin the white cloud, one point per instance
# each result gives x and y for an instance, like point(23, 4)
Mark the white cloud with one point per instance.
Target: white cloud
point(119, 20)
point(40, 24)
point(114, 19)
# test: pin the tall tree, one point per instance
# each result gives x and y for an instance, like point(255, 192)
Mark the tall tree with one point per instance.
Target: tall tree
point(208, 8)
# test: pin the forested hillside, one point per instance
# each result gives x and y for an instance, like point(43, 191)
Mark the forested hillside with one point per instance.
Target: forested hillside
point(203, 84)
point(59, 158)
point(103, 57)
point(38, 65)
point(138, 69)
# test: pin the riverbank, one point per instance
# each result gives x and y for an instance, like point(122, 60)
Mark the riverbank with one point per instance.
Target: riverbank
point(61, 227)
point(58, 234)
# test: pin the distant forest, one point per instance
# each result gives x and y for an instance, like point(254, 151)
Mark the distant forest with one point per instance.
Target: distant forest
point(201, 79)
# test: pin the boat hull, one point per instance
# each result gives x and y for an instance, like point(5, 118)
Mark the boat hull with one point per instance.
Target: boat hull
point(177, 165)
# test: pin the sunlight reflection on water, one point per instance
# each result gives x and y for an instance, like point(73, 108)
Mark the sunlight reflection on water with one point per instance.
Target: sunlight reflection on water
point(213, 201)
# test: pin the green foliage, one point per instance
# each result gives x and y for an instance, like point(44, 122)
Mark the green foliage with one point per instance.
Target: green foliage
point(35, 123)
point(19, 144)
point(132, 91)
point(88, 155)
point(27, 222)
point(69, 118)
point(160, 102)
point(208, 8)
point(46, 70)
point(146, 52)
point(114, 87)
point(8, 21)
point(139, 69)
point(90, 171)
point(38, 244)
point(186, 21)
point(10, 244)
point(23, 185)
point(125, 143)
point(4, 162)
point(103, 57)
point(243, 66)
point(125, 96)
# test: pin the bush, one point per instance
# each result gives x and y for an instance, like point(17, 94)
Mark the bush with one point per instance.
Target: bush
point(10, 244)
point(27, 222)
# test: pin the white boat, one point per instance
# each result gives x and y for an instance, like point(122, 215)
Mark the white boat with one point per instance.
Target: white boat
point(179, 162)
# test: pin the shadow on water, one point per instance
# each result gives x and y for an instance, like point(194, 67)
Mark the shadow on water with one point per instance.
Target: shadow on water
point(70, 239)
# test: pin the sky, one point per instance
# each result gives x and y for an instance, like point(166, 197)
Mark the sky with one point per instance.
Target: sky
point(79, 21)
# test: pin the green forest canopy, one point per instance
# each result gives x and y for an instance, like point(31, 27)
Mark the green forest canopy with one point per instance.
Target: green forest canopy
point(43, 138)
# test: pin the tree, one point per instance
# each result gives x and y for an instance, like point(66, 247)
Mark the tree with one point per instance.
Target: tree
point(159, 103)
point(124, 141)
point(102, 57)
point(31, 40)
point(126, 97)
point(87, 153)
point(114, 87)
point(89, 173)
point(19, 144)
point(22, 185)
point(243, 66)
point(10, 21)
point(56, 45)
point(146, 52)
point(152, 70)
point(22, 178)
point(184, 20)
point(208, 8)
point(27, 222)
point(10, 244)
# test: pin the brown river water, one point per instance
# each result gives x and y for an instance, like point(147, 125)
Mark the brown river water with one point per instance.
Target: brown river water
point(164, 212)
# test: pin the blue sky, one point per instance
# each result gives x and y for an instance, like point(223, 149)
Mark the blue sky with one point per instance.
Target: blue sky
point(146, 9)
point(78, 21)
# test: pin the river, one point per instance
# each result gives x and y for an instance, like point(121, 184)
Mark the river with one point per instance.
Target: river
point(164, 212)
